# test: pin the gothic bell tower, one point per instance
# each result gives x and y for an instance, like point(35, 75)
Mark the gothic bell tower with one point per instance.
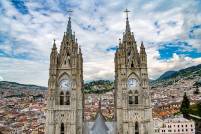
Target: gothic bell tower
point(64, 113)
point(132, 98)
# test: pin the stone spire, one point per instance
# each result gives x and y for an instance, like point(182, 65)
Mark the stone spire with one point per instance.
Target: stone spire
point(69, 29)
point(53, 56)
point(54, 45)
point(143, 56)
point(99, 126)
point(142, 49)
point(127, 21)
point(127, 26)
point(52, 71)
point(80, 51)
point(127, 34)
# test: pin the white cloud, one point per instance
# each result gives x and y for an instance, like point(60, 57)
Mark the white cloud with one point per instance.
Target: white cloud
point(99, 70)
point(1, 78)
point(39, 29)
point(157, 66)
point(24, 71)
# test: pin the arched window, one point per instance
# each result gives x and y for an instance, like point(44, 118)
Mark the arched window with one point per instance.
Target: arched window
point(136, 99)
point(132, 65)
point(68, 54)
point(136, 128)
point(130, 99)
point(62, 98)
point(67, 98)
point(62, 128)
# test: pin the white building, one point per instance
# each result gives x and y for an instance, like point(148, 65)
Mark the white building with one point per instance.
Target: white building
point(176, 125)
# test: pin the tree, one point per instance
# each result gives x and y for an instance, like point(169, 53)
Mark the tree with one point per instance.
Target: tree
point(185, 106)
point(199, 108)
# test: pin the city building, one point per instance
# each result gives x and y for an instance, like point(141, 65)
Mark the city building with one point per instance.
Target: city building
point(197, 121)
point(174, 125)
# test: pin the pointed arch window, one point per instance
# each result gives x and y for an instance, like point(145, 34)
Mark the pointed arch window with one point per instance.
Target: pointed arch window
point(67, 98)
point(129, 52)
point(62, 98)
point(132, 65)
point(62, 128)
point(136, 128)
point(136, 97)
point(130, 98)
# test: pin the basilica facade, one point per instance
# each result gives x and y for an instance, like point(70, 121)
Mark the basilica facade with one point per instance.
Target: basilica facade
point(132, 98)
point(133, 112)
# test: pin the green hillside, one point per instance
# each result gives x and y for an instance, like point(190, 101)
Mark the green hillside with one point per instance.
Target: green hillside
point(170, 77)
point(100, 86)
point(17, 86)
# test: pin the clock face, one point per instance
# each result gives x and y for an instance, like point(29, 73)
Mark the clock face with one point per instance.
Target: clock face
point(65, 84)
point(132, 83)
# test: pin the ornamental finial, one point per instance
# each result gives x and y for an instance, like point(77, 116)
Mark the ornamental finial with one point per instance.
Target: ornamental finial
point(127, 11)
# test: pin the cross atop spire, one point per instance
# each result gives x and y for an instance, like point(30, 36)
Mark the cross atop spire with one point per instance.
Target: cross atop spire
point(127, 22)
point(70, 12)
point(127, 11)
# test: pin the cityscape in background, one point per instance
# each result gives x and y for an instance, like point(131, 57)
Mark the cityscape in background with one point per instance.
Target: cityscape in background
point(22, 110)
point(139, 72)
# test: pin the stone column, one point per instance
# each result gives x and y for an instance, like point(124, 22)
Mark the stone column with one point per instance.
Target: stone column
point(57, 128)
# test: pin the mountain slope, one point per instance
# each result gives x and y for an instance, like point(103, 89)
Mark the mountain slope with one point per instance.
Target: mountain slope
point(193, 70)
point(99, 86)
point(172, 76)
point(102, 86)
point(15, 85)
point(167, 75)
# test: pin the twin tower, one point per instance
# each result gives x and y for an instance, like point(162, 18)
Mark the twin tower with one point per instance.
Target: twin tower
point(133, 112)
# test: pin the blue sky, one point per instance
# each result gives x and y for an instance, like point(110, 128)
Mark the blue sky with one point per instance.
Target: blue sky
point(171, 31)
